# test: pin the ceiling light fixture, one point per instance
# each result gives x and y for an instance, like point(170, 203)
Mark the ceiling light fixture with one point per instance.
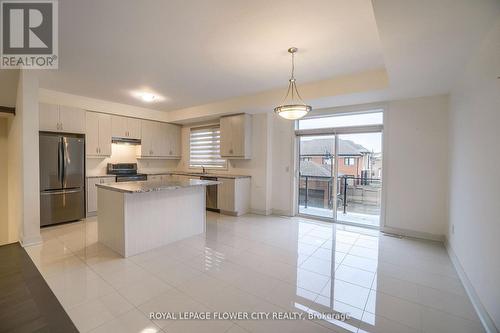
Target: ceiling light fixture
point(147, 97)
point(292, 107)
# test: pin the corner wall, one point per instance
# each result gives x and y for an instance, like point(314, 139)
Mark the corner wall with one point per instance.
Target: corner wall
point(23, 162)
point(416, 166)
point(474, 224)
point(4, 221)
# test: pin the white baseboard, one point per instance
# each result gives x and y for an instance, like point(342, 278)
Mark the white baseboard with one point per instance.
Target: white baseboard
point(260, 211)
point(30, 241)
point(281, 212)
point(413, 234)
point(485, 318)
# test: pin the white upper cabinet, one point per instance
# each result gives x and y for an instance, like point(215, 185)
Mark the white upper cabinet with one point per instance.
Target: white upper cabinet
point(134, 128)
point(236, 136)
point(49, 117)
point(148, 129)
point(124, 127)
point(172, 139)
point(59, 118)
point(118, 127)
point(98, 134)
point(72, 119)
point(160, 140)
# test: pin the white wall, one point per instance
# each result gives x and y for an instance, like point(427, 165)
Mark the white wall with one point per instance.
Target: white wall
point(475, 173)
point(415, 148)
point(5, 237)
point(416, 166)
point(23, 161)
point(283, 166)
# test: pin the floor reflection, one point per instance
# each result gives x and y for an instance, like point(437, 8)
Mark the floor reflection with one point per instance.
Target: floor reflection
point(259, 263)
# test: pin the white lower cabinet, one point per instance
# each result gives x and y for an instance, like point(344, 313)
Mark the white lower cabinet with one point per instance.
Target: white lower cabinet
point(233, 196)
point(92, 192)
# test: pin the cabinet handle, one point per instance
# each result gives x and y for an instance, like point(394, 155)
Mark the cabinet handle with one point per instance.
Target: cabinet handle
point(170, 152)
point(97, 150)
point(61, 126)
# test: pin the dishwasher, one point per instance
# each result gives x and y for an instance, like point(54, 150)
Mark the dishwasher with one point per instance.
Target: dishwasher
point(211, 193)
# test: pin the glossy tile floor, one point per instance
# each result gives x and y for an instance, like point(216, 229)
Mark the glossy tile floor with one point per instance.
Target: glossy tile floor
point(257, 263)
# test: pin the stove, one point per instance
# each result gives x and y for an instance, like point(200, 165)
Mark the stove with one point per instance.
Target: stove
point(125, 172)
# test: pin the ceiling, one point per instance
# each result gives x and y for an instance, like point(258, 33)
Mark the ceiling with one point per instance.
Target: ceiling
point(196, 52)
point(208, 58)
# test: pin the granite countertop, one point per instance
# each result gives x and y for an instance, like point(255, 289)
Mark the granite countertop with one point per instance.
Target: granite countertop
point(197, 174)
point(153, 186)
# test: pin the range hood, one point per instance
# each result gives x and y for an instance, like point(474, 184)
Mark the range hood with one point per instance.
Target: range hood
point(125, 141)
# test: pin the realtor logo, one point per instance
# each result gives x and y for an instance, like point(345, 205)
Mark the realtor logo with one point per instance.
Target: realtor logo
point(29, 34)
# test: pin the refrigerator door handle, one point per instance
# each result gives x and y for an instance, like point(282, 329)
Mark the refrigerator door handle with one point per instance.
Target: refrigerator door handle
point(59, 162)
point(64, 151)
point(61, 192)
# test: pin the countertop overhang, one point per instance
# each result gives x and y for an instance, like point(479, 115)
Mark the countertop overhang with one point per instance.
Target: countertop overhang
point(153, 186)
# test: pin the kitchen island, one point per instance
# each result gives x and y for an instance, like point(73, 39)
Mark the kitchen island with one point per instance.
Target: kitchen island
point(134, 217)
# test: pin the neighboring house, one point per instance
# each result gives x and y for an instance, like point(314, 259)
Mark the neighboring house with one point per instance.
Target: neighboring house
point(317, 163)
point(353, 158)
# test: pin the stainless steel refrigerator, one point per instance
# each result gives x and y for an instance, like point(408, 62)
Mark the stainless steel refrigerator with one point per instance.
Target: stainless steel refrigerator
point(62, 178)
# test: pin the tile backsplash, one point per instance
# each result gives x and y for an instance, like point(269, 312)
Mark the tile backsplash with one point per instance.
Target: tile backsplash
point(121, 153)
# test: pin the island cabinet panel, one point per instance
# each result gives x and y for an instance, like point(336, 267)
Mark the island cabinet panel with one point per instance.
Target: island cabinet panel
point(133, 223)
point(58, 118)
point(236, 136)
point(98, 134)
point(233, 196)
point(92, 192)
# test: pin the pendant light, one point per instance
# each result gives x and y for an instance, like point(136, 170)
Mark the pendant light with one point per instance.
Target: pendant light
point(292, 107)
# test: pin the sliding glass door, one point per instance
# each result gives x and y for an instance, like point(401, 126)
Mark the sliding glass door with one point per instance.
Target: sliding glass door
point(360, 178)
point(316, 175)
point(340, 168)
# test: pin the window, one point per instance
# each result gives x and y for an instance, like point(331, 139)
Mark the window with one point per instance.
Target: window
point(343, 120)
point(349, 161)
point(204, 147)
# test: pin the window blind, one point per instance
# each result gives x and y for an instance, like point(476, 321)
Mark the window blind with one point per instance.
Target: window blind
point(204, 147)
